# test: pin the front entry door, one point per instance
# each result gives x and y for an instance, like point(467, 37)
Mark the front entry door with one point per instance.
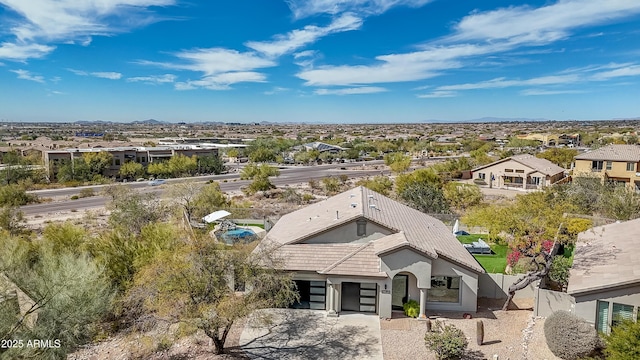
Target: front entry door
point(400, 291)
point(350, 296)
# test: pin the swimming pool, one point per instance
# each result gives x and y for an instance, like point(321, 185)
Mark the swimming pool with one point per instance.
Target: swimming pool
point(238, 235)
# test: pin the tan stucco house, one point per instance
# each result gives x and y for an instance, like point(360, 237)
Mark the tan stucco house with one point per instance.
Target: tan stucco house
point(361, 251)
point(605, 277)
point(615, 163)
point(522, 171)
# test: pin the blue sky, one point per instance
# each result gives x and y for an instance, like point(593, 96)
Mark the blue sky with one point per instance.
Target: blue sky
point(330, 61)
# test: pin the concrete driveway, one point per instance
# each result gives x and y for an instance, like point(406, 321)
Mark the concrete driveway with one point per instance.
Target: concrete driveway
point(310, 334)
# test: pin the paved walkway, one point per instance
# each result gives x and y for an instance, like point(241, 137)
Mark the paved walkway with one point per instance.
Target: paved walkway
point(310, 334)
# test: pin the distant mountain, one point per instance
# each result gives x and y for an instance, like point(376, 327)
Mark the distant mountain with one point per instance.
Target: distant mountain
point(486, 120)
point(149, 122)
point(93, 122)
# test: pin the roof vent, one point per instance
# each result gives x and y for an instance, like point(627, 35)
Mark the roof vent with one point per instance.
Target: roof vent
point(353, 205)
point(373, 206)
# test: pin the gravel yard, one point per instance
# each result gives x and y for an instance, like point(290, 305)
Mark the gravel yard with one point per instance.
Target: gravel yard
point(512, 335)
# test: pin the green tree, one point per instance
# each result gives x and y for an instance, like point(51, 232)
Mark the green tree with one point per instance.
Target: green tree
point(97, 162)
point(180, 165)
point(425, 197)
point(331, 185)
point(462, 196)
point(624, 341)
point(233, 153)
point(210, 198)
point(379, 184)
point(559, 156)
point(398, 162)
point(131, 170)
point(559, 272)
point(210, 164)
point(131, 211)
point(196, 284)
point(420, 176)
point(159, 169)
point(259, 174)
point(15, 195)
point(68, 294)
point(65, 237)
point(11, 220)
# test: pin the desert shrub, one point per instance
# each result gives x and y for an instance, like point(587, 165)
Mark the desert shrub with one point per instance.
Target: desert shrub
point(570, 337)
point(75, 197)
point(411, 308)
point(447, 342)
point(624, 341)
point(87, 192)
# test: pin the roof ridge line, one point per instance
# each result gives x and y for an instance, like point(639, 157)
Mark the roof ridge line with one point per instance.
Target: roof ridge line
point(345, 258)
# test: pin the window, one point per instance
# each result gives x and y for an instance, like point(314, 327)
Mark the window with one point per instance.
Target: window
point(596, 166)
point(444, 289)
point(520, 171)
point(508, 170)
point(116, 162)
point(602, 317)
point(609, 163)
point(621, 312)
point(481, 176)
point(631, 166)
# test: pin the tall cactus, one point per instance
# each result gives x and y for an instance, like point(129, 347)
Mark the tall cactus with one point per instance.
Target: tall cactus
point(480, 332)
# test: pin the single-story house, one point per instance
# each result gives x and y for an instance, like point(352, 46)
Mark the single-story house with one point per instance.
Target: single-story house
point(519, 171)
point(364, 252)
point(605, 277)
point(320, 146)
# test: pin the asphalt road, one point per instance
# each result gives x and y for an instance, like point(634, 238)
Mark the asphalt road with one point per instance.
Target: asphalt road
point(287, 177)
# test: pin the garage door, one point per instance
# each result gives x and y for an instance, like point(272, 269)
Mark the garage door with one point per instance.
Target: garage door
point(360, 297)
point(312, 295)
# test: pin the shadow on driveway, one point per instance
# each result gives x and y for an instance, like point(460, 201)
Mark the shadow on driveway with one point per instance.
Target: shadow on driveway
point(308, 334)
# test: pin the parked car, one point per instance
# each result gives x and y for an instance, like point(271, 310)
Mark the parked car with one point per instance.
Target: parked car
point(461, 232)
point(157, 182)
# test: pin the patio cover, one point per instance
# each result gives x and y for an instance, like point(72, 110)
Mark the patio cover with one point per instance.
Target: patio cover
point(216, 215)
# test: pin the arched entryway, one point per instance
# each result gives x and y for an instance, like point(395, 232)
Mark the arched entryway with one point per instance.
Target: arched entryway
point(403, 288)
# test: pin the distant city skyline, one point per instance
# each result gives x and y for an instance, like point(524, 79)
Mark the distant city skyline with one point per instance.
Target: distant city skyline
point(318, 61)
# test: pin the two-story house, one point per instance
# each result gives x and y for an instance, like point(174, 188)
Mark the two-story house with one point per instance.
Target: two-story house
point(614, 163)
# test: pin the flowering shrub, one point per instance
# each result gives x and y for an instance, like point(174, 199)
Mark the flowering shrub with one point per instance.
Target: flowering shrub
point(513, 257)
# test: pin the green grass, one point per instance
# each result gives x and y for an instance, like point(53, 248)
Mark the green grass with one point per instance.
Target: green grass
point(496, 263)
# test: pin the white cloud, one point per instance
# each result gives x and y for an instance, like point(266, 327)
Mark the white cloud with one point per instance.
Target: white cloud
point(55, 79)
point(26, 75)
point(154, 79)
point(478, 34)
point(72, 21)
point(19, 52)
point(538, 92)
point(411, 66)
point(504, 83)
point(214, 61)
point(107, 75)
point(535, 26)
point(351, 91)
point(99, 74)
point(293, 40)
point(306, 8)
point(276, 90)
point(628, 70)
point(221, 81)
point(438, 94)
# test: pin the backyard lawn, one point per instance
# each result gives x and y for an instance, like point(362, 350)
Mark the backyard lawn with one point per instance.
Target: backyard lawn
point(495, 263)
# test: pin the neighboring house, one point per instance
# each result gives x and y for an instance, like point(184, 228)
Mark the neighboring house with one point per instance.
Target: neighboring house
point(605, 277)
point(139, 154)
point(361, 251)
point(320, 146)
point(519, 171)
point(615, 163)
point(553, 139)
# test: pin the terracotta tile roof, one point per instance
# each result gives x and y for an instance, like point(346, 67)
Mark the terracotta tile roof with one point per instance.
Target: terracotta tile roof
point(605, 257)
point(630, 153)
point(361, 262)
point(542, 166)
point(421, 231)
